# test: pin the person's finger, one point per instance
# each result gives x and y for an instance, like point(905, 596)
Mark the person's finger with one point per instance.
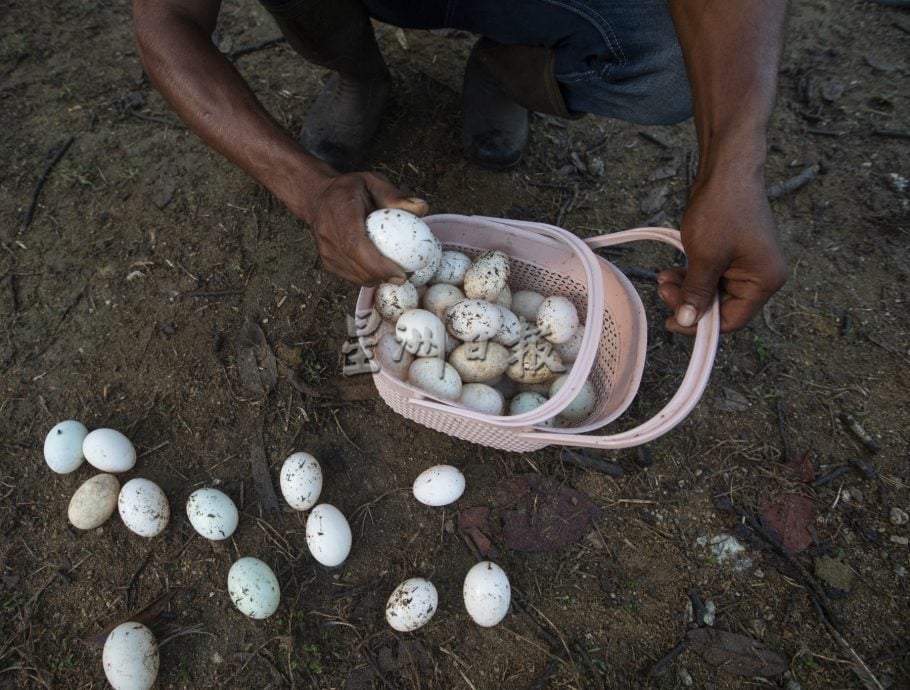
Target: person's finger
point(698, 290)
point(386, 195)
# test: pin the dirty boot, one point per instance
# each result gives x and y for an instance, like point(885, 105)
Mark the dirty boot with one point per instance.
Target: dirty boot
point(501, 84)
point(345, 116)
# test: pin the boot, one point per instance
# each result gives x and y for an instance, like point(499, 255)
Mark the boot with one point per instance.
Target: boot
point(501, 84)
point(339, 36)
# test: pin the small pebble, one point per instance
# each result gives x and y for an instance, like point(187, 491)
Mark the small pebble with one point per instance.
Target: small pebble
point(897, 539)
point(900, 571)
point(898, 516)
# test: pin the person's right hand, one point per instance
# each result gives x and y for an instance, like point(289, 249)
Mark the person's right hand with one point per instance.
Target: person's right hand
point(337, 215)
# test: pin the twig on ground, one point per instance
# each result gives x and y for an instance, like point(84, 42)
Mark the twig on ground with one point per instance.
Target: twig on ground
point(129, 592)
point(654, 139)
point(39, 185)
point(639, 274)
point(857, 430)
point(892, 133)
point(790, 185)
point(212, 293)
point(865, 468)
point(830, 476)
point(660, 666)
point(860, 667)
point(156, 118)
point(589, 462)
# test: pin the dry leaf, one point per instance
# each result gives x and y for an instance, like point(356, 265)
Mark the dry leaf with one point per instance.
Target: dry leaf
point(255, 361)
point(734, 653)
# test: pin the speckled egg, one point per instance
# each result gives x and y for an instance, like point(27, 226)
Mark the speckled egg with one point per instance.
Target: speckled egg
point(253, 588)
point(212, 513)
point(533, 364)
point(63, 446)
point(422, 276)
point(412, 604)
point(510, 331)
point(130, 657)
point(487, 594)
point(402, 237)
point(143, 507)
point(452, 268)
point(301, 481)
point(568, 351)
point(473, 319)
point(504, 298)
point(94, 501)
point(487, 276)
point(394, 300)
point(440, 297)
point(439, 485)
point(328, 535)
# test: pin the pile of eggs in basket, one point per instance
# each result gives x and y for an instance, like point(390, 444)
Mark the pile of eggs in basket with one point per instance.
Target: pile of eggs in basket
point(462, 335)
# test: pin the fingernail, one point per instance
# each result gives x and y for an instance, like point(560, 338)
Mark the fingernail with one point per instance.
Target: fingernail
point(685, 315)
point(415, 200)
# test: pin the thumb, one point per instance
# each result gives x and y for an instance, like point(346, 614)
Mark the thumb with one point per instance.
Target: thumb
point(386, 195)
point(698, 290)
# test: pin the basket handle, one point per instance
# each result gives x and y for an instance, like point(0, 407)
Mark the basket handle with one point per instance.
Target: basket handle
point(693, 383)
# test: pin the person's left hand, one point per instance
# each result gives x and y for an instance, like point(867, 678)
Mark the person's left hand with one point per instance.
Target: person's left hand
point(731, 244)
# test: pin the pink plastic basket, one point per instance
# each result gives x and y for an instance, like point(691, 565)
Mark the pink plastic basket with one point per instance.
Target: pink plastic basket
point(551, 261)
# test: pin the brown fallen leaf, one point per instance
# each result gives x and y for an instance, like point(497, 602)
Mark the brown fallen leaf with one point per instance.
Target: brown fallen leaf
point(736, 654)
point(474, 526)
point(788, 518)
point(255, 361)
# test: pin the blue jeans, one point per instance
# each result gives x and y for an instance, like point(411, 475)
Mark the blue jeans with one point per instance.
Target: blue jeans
point(614, 58)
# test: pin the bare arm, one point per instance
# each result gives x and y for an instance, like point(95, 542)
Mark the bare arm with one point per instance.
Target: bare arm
point(175, 47)
point(732, 51)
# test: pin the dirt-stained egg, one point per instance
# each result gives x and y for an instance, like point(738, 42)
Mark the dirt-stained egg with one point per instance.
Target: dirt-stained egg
point(436, 377)
point(143, 507)
point(253, 588)
point(402, 237)
point(440, 297)
point(109, 450)
point(487, 593)
point(422, 276)
point(328, 535)
point(452, 268)
point(412, 604)
point(394, 300)
point(130, 657)
point(510, 331)
point(63, 446)
point(487, 276)
point(473, 319)
point(439, 485)
point(94, 501)
point(301, 481)
point(212, 513)
point(479, 361)
point(568, 351)
point(527, 401)
point(531, 363)
point(557, 319)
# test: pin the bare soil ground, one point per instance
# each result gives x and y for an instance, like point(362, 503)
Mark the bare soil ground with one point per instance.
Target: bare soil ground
point(121, 302)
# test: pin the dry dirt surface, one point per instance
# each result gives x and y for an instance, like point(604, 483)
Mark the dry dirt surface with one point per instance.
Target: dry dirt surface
point(124, 295)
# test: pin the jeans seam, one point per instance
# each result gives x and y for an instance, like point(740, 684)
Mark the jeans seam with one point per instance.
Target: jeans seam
point(602, 25)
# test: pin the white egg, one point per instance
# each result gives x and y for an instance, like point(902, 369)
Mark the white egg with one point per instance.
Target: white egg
point(452, 267)
point(557, 319)
point(422, 276)
point(510, 331)
point(394, 300)
point(143, 507)
point(440, 297)
point(479, 361)
point(301, 481)
point(94, 501)
point(412, 604)
point(130, 657)
point(328, 535)
point(421, 331)
point(109, 450)
point(487, 276)
point(63, 446)
point(568, 351)
point(525, 402)
point(436, 377)
point(525, 304)
point(581, 406)
point(253, 588)
point(402, 237)
point(482, 397)
point(439, 485)
point(212, 513)
point(392, 357)
point(487, 594)
point(473, 319)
